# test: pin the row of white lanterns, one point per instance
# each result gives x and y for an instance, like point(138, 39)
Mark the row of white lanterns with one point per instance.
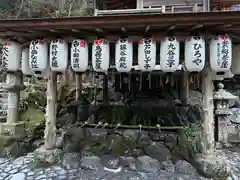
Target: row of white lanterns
point(37, 57)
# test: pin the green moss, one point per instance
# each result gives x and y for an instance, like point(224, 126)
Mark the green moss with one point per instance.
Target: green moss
point(32, 115)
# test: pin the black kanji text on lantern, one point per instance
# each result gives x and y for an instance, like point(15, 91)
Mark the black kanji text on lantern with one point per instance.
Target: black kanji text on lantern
point(76, 54)
point(54, 54)
point(5, 51)
point(33, 54)
point(197, 54)
point(147, 52)
point(123, 54)
point(225, 54)
point(98, 56)
point(171, 53)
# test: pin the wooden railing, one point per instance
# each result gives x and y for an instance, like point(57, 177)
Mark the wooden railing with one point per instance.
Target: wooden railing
point(157, 10)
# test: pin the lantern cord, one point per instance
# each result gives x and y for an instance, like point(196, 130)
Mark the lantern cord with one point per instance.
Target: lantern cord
point(184, 80)
point(167, 80)
point(129, 81)
point(141, 78)
point(149, 80)
point(120, 80)
point(172, 81)
point(177, 84)
point(191, 79)
point(112, 78)
point(198, 82)
point(161, 82)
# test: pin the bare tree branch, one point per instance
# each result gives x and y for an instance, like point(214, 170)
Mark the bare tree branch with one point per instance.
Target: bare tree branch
point(20, 9)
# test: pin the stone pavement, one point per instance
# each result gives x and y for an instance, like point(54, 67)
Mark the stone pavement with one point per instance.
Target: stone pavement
point(91, 168)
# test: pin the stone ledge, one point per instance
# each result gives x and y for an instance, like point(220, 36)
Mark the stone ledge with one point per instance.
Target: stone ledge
point(16, 129)
point(220, 145)
point(10, 87)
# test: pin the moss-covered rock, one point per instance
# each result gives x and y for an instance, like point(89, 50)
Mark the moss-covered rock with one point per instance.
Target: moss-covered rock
point(9, 146)
point(32, 115)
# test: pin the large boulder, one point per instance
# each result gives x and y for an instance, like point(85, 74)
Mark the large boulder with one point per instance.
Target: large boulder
point(158, 151)
point(75, 139)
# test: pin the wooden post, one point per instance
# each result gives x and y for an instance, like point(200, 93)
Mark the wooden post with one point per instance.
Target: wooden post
point(78, 85)
point(50, 129)
point(207, 131)
point(184, 92)
point(207, 163)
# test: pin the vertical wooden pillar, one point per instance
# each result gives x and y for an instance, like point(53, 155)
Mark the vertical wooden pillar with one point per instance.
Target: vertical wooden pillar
point(51, 112)
point(184, 92)
point(207, 162)
point(78, 85)
point(207, 131)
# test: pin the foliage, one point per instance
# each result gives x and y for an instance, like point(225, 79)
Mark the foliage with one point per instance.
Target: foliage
point(189, 144)
point(32, 106)
point(13, 9)
point(192, 133)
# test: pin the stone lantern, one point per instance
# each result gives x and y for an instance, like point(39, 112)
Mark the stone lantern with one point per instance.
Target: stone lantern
point(222, 100)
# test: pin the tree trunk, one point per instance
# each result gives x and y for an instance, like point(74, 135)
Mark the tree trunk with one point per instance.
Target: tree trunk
point(207, 131)
point(50, 129)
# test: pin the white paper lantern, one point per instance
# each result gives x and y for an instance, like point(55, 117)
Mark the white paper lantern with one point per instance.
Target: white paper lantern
point(221, 53)
point(79, 55)
point(124, 55)
point(11, 54)
point(100, 55)
point(38, 55)
point(147, 54)
point(169, 54)
point(25, 63)
point(58, 55)
point(194, 54)
point(235, 68)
